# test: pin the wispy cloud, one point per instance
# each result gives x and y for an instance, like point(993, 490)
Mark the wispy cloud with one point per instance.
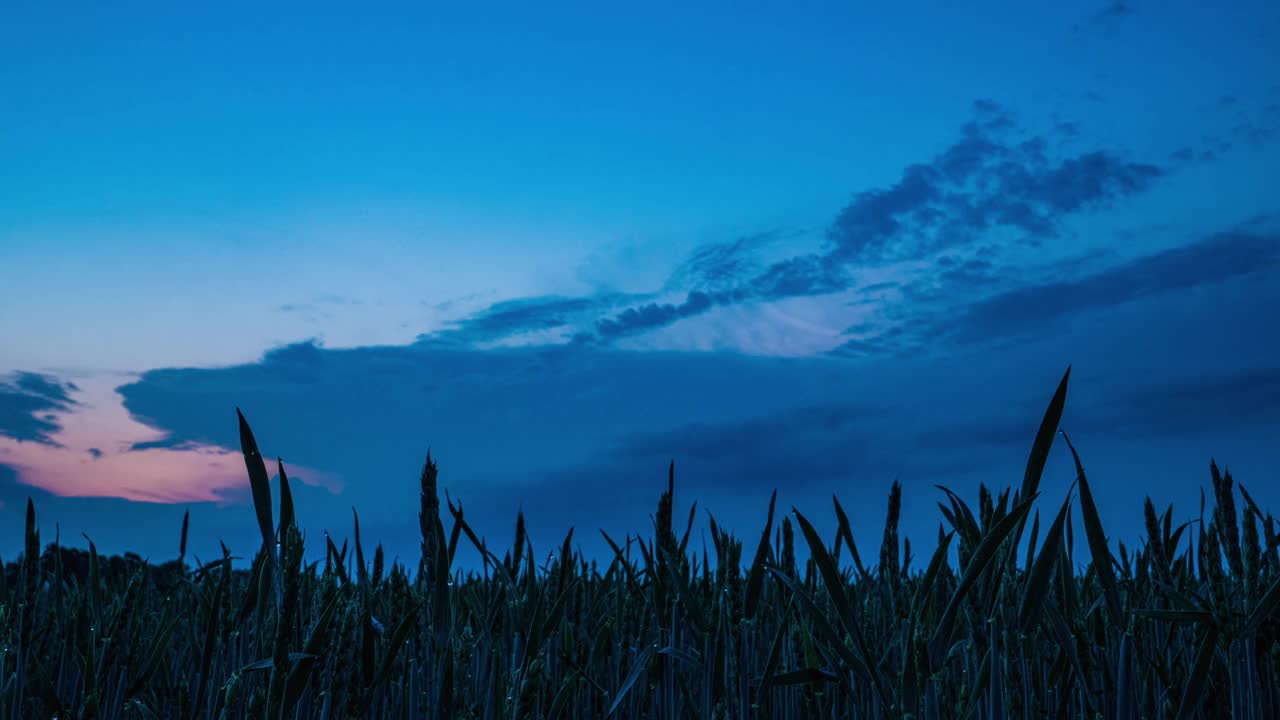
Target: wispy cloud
point(995, 179)
point(521, 316)
point(722, 266)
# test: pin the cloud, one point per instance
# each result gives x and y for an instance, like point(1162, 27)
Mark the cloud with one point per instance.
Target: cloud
point(367, 415)
point(152, 529)
point(790, 278)
point(799, 276)
point(986, 180)
point(1113, 11)
point(28, 402)
point(989, 179)
point(994, 178)
point(1254, 135)
point(1239, 399)
point(513, 317)
point(966, 301)
point(1029, 308)
point(728, 439)
point(539, 427)
point(652, 316)
point(45, 387)
point(1183, 405)
point(722, 266)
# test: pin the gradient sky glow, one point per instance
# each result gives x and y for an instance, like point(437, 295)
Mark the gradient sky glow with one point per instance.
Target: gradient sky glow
point(814, 248)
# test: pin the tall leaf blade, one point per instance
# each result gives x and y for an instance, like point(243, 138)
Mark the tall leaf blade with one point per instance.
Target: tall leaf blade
point(1102, 560)
point(755, 576)
point(1043, 442)
point(286, 500)
point(259, 483)
point(982, 556)
point(1198, 678)
point(1041, 572)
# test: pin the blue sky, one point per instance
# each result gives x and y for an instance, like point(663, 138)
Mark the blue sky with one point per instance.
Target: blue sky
point(814, 248)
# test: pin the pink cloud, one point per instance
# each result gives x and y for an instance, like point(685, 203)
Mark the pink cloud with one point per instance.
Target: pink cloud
point(93, 457)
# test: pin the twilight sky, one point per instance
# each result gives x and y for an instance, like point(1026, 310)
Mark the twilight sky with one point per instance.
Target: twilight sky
point(815, 249)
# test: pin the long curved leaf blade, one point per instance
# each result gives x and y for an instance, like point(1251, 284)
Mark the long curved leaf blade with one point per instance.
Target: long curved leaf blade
point(821, 625)
point(982, 556)
point(296, 683)
point(637, 667)
point(755, 577)
point(1097, 541)
point(398, 637)
point(834, 582)
point(1041, 573)
point(1043, 442)
point(286, 500)
point(1265, 607)
point(259, 483)
point(1199, 675)
point(921, 595)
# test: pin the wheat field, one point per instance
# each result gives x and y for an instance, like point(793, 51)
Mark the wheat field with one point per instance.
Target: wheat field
point(1004, 621)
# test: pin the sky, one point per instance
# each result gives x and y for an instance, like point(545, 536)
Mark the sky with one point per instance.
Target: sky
point(817, 248)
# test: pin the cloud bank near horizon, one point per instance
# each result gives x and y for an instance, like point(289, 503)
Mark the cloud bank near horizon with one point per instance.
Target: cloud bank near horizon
point(916, 337)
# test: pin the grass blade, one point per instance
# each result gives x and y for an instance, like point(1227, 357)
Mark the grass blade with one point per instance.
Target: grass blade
point(1102, 560)
point(982, 556)
point(1043, 443)
point(637, 667)
point(259, 483)
point(755, 576)
point(1041, 572)
point(286, 500)
point(1198, 678)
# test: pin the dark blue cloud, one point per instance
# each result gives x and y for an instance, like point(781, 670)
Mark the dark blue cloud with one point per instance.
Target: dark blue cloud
point(1114, 10)
point(513, 425)
point(991, 177)
point(1132, 408)
point(722, 266)
point(45, 387)
point(514, 317)
point(797, 277)
point(987, 179)
point(793, 277)
point(1030, 308)
point(13, 492)
point(652, 316)
point(1255, 135)
point(541, 428)
point(729, 439)
point(1234, 400)
point(972, 301)
point(25, 405)
point(965, 274)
